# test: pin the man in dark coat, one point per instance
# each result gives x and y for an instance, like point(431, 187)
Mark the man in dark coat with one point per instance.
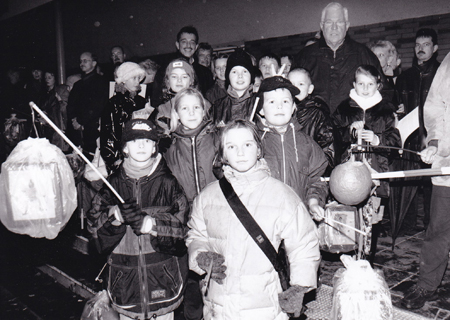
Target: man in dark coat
point(333, 60)
point(86, 101)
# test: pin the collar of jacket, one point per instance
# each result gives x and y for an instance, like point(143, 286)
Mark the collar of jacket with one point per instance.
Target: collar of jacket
point(183, 132)
point(427, 66)
point(247, 181)
point(234, 96)
point(323, 44)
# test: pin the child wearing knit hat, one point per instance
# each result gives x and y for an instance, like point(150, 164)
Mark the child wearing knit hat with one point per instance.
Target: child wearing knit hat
point(239, 76)
point(119, 110)
point(145, 234)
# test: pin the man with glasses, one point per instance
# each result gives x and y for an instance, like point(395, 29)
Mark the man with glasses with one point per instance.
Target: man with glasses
point(333, 60)
point(86, 101)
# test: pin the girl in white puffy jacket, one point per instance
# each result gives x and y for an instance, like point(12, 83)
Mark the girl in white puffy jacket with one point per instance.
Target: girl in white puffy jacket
point(243, 282)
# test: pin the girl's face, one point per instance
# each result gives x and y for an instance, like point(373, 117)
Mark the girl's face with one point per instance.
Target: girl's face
point(365, 86)
point(179, 80)
point(240, 149)
point(49, 80)
point(132, 84)
point(140, 150)
point(220, 65)
point(190, 111)
point(240, 79)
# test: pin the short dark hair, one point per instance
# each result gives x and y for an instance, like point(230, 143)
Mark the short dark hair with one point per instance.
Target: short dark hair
point(120, 47)
point(427, 33)
point(204, 46)
point(270, 55)
point(188, 29)
point(238, 124)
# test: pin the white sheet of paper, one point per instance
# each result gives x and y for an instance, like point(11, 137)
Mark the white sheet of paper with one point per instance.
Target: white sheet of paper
point(408, 124)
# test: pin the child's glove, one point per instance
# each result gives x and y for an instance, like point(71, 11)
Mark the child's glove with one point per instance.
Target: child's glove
point(132, 215)
point(291, 300)
point(218, 269)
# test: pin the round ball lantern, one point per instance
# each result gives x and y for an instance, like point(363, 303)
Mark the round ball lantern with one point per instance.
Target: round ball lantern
point(351, 182)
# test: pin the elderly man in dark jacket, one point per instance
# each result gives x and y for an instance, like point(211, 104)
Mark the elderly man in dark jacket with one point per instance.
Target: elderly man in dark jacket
point(86, 101)
point(334, 59)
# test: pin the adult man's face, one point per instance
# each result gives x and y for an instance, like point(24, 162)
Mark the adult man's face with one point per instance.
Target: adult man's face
point(204, 58)
point(117, 55)
point(334, 27)
point(87, 64)
point(424, 49)
point(187, 44)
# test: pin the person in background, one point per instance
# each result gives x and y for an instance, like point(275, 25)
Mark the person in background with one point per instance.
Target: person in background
point(413, 86)
point(203, 54)
point(286, 60)
point(436, 245)
point(267, 63)
point(86, 102)
point(334, 58)
point(313, 114)
point(144, 236)
point(218, 90)
point(151, 68)
point(244, 284)
point(118, 110)
point(238, 104)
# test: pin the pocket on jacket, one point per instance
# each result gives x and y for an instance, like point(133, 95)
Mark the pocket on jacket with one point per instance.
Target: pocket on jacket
point(164, 280)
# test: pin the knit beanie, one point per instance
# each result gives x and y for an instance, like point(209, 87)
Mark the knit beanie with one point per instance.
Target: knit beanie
point(239, 58)
point(178, 63)
point(128, 70)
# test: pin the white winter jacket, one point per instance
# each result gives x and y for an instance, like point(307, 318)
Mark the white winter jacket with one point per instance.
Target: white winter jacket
point(250, 289)
point(437, 119)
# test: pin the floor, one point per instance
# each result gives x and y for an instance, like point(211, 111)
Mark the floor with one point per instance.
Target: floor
point(400, 267)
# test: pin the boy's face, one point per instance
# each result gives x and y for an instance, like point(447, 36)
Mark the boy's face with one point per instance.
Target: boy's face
point(265, 66)
point(140, 150)
point(204, 58)
point(190, 111)
point(187, 44)
point(220, 65)
point(179, 80)
point(240, 79)
point(302, 82)
point(257, 84)
point(285, 60)
point(278, 107)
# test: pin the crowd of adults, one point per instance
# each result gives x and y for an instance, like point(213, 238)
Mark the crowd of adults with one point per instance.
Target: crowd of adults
point(93, 115)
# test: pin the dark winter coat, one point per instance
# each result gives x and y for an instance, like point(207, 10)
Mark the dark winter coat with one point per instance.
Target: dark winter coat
point(191, 157)
point(333, 73)
point(412, 87)
point(296, 159)
point(217, 91)
point(232, 107)
point(379, 119)
point(147, 273)
point(314, 118)
point(87, 99)
point(117, 111)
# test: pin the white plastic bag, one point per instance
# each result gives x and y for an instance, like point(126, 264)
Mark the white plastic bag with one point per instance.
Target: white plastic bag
point(99, 308)
point(37, 189)
point(359, 292)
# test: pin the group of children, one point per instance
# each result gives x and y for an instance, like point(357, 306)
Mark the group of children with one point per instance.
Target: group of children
point(272, 146)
